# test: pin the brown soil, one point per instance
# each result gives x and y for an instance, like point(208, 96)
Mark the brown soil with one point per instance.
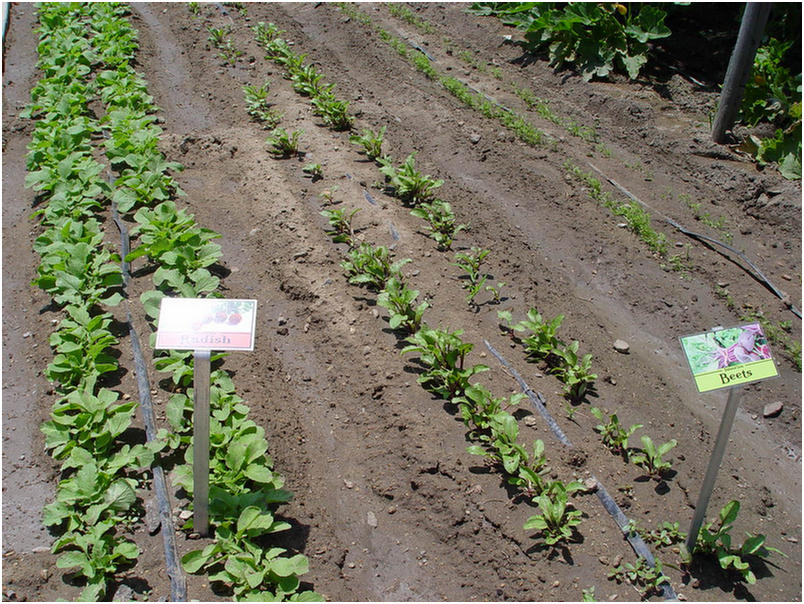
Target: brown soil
point(388, 505)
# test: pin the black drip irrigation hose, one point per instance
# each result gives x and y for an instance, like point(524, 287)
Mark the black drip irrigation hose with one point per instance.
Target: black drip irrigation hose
point(178, 583)
point(634, 539)
point(759, 275)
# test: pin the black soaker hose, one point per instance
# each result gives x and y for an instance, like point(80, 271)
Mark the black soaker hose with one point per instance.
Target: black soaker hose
point(178, 583)
point(608, 502)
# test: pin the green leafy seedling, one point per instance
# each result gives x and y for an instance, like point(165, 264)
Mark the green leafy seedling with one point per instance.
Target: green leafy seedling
point(650, 457)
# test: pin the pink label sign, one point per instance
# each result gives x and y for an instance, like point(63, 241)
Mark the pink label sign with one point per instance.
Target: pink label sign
point(206, 324)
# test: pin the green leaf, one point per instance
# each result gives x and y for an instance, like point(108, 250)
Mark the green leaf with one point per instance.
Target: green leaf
point(120, 496)
point(295, 565)
point(259, 473)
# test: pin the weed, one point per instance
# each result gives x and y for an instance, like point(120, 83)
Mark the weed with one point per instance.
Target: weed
point(645, 579)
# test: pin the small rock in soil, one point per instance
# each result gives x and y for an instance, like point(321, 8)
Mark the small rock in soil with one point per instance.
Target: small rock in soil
point(604, 560)
point(371, 519)
point(475, 138)
point(621, 346)
point(530, 421)
point(123, 594)
point(773, 409)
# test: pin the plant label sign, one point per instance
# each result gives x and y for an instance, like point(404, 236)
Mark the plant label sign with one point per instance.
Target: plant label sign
point(729, 357)
point(206, 324)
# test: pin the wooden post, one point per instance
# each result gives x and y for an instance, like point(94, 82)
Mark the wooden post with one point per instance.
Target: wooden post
point(742, 59)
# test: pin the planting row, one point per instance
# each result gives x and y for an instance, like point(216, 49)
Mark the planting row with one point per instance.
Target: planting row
point(243, 485)
point(443, 353)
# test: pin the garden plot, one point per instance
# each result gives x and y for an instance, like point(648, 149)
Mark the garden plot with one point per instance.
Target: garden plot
point(388, 503)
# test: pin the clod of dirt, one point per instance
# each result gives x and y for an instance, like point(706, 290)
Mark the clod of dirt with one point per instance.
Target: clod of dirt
point(621, 346)
point(773, 409)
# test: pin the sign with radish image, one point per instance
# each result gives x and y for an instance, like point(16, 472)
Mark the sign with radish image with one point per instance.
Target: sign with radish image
point(206, 324)
point(729, 357)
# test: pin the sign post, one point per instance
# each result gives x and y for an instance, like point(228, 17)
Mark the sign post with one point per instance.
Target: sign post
point(201, 387)
point(203, 325)
point(724, 358)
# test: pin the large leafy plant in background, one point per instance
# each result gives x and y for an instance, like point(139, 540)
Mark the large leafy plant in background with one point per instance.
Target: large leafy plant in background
point(595, 37)
point(773, 94)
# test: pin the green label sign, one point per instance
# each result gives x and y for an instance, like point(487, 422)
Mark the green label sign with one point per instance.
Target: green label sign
point(729, 357)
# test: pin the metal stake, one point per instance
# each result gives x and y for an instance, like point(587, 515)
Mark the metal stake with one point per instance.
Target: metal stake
point(201, 369)
point(714, 465)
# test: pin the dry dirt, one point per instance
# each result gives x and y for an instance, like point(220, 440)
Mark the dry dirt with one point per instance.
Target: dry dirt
point(388, 505)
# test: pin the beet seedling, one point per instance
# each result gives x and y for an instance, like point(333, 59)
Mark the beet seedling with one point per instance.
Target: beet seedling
point(717, 541)
point(371, 141)
point(334, 112)
point(470, 263)
point(650, 457)
point(399, 300)
point(556, 522)
point(615, 437)
point(372, 266)
point(307, 81)
point(314, 170)
point(542, 343)
point(441, 219)
point(574, 371)
point(444, 354)
point(258, 107)
point(283, 144)
point(341, 222)
point(409, 185)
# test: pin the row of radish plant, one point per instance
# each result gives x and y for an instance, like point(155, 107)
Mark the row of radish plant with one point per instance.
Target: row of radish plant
point(486, 416)
point(243, 485)
point(96, 498)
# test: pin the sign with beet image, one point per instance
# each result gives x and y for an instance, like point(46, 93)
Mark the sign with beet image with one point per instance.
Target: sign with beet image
point(206, 324)
point(729, 357)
